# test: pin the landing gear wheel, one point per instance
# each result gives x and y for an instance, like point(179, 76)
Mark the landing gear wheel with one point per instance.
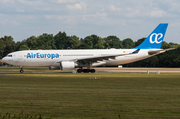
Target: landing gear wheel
point(21, 71)
point(86, 70)
point(79, 70)
point(92, 70)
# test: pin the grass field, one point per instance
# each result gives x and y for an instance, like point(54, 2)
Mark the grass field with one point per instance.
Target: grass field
point(81, 96)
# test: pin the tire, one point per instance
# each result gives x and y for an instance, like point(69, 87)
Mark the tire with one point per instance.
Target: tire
point(21, 71)
point(92, 70)
point(79, 71)
point(86, 70)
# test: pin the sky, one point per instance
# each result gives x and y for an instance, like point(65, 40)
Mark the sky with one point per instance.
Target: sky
point(133, 19)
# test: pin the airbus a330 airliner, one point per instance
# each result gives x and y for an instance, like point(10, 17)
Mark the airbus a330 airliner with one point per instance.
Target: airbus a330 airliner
point(84, 59)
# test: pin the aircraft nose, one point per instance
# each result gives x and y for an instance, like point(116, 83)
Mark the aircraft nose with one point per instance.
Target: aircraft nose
point(4, 60)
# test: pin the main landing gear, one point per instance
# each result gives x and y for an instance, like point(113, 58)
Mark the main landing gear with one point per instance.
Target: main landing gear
point(86, 70)
point(21, 70)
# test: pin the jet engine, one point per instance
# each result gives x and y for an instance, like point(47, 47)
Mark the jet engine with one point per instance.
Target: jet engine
point(67, 65)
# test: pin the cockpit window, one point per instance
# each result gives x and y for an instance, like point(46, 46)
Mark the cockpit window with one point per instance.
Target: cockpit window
point(9, 55)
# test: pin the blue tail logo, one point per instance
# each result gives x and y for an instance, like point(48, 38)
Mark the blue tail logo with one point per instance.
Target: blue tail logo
point(155, 39)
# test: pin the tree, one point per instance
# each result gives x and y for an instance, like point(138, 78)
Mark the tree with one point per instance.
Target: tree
point(46, 41)
point(176, 61)
point(94, 42)
point(18, 45)
point(174, 45)
point(9, 45)
point(170, 58)
point(43, 47)
point(24, 47)
point(89, 41)
point(153, 61)
point(83, 46)
point(73, 42)
point(128, 43)
point(100, 43)
point(32, 42)
point(8, 49)
point(1, 63)
point(165, 45)
point(61, 40)
point(112, 42)
point(2, 46)
point(139, 42)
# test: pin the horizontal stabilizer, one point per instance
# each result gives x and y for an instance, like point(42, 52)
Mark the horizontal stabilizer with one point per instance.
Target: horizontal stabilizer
point(159, 51)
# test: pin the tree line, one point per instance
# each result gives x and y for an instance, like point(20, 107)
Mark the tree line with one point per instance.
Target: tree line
point(62, 41)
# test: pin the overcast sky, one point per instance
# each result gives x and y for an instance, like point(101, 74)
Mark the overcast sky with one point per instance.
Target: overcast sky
point(123, 18)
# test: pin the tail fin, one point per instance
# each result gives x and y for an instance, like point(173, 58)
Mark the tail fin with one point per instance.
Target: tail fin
point(155, 39)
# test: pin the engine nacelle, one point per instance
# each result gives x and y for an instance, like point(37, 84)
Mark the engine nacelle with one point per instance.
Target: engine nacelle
point(66, 65)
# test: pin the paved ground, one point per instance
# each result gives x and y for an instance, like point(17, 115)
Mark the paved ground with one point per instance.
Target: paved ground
point(140, 70)
point(107, 69)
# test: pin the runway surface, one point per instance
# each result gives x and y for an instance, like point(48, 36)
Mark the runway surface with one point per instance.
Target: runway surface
point(140, 70)
point(106, 69)
point(9, 73)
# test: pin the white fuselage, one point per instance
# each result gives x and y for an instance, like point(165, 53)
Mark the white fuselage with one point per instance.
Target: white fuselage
point(48, 58)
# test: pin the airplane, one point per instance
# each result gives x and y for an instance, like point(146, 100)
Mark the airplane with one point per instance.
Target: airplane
point(85, 59)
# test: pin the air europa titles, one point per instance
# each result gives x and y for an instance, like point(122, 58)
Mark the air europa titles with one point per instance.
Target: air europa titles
point(39, 55)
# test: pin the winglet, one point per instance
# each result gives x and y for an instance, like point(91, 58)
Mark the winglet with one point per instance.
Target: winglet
point(155, 39)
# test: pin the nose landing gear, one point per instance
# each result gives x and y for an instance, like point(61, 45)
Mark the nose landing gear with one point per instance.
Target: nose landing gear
point(21, 70)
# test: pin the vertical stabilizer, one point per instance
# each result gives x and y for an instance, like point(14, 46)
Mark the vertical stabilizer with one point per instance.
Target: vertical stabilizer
point(155, 39)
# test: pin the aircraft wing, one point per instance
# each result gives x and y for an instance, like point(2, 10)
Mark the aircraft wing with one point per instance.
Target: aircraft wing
point(101, 58)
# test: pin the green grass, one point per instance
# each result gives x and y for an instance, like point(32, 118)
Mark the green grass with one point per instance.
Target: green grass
point(79, 96)
point(21, 116)
point(27, 70)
